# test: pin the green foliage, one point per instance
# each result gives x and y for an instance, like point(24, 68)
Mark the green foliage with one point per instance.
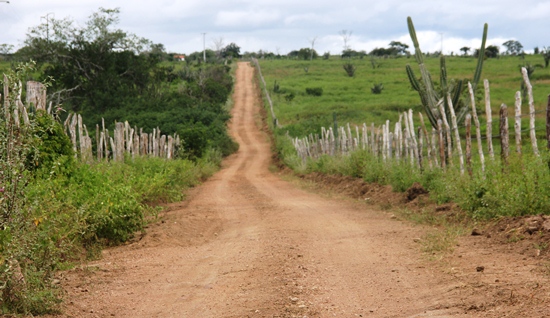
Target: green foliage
point(513, 47)
point(103, 72)
point(289, 97)
point(303, 54)
point(232, 50)
point(314, 91)
point(54, 148)
point(350, 69)
point(276, 87)
point(377, 88)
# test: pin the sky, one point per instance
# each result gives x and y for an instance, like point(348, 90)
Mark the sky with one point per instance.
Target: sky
point(280, 26)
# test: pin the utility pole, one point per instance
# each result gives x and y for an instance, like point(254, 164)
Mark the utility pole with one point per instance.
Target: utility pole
point(47, 17)
point(204, 46)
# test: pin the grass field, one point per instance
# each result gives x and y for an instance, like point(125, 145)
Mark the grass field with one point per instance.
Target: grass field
point(351, 99)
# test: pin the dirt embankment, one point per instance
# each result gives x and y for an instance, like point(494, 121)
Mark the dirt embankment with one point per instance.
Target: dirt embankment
point(248, 244)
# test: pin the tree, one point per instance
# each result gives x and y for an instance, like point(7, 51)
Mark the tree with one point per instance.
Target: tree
point(545, 52)
point(465, 50)
point(6, 49)
point(513, 47)
point(312, 41)
point(491, 51)
point(380, 51)
point(231, 50)
point(398, 47)
point(96, 66)
point(346, 37)
point(218, 45)
point(303, 54)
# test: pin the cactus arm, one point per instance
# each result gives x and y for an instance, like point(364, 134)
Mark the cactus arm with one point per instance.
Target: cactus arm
point(412, 32)
point(412, 79)
point(480, 58)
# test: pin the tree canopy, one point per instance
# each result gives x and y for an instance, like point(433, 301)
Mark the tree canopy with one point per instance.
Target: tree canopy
point(101, 71)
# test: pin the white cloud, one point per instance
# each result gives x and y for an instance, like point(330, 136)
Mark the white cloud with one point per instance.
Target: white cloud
point(248, 18)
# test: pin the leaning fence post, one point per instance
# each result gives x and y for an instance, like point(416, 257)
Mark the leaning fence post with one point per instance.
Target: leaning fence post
point(457, 134)
point(504, 142)
point(478, 129)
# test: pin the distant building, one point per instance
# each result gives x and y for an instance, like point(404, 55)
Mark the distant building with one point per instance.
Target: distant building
point(179, 57)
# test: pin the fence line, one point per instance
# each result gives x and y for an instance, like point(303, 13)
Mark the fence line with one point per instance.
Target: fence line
point(400, 144)
point(275, 121)
point(124, 141)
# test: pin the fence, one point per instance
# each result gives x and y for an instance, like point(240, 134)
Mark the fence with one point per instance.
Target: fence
point(421, 147)
point(275, 121)
point(125, 140)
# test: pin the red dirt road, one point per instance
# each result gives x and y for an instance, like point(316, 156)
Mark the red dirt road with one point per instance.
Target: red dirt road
point(248, 244)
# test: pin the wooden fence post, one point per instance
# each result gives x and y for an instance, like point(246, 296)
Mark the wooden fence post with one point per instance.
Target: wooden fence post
point(532, 132)
point(478, 129)
point(441, 143)
point(447, 133)
point(489, 115)
point(457, 134)
point(504, 142)
point(468, 122)
point(517, 121)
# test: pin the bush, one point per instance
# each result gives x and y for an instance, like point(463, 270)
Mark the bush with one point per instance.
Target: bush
point(350, 69)
point(314, 91)
point(377, 88)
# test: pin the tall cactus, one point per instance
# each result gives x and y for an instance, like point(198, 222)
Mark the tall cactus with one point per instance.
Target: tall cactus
point(429, 96)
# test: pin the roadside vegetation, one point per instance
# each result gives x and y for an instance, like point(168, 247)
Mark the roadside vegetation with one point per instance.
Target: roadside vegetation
point(56, 211)
point(517, 188)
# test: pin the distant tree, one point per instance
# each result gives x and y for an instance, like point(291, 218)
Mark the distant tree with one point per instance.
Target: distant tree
point(303, 54)
point(398, 47)
point(6, 49)
point(231, 50)
point(545, 52)
point(465, 50)
point(491, 51)
point(379, 51)
point(351, 53)
point(218, 45)
point(346, 37)
point(513, 47)
point(312, 41)
point(536, 50)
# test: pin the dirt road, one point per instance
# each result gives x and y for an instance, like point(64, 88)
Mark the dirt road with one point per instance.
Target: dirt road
point(248, 244)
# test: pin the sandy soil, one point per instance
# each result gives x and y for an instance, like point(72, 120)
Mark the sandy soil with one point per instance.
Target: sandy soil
point(248, 244)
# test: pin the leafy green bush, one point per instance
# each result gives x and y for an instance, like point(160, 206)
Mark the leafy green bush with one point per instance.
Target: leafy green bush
point(314, 91)
point(377, 88)
point(350, 69)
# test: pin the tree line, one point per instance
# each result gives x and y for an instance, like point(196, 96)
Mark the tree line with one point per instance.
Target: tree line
point(101, 71)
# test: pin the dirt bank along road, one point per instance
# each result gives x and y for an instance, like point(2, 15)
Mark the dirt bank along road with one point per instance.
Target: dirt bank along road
point(248, 244)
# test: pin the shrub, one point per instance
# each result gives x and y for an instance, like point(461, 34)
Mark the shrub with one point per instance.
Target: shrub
point(276, 87)
point(350, 69)
point(377, 88)
point(314, 91)
point(289, 97)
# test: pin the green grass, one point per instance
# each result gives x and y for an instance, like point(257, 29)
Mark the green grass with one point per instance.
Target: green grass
point(351, 98)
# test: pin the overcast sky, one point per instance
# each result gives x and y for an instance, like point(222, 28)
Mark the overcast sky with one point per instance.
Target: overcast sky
point(285, 25)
